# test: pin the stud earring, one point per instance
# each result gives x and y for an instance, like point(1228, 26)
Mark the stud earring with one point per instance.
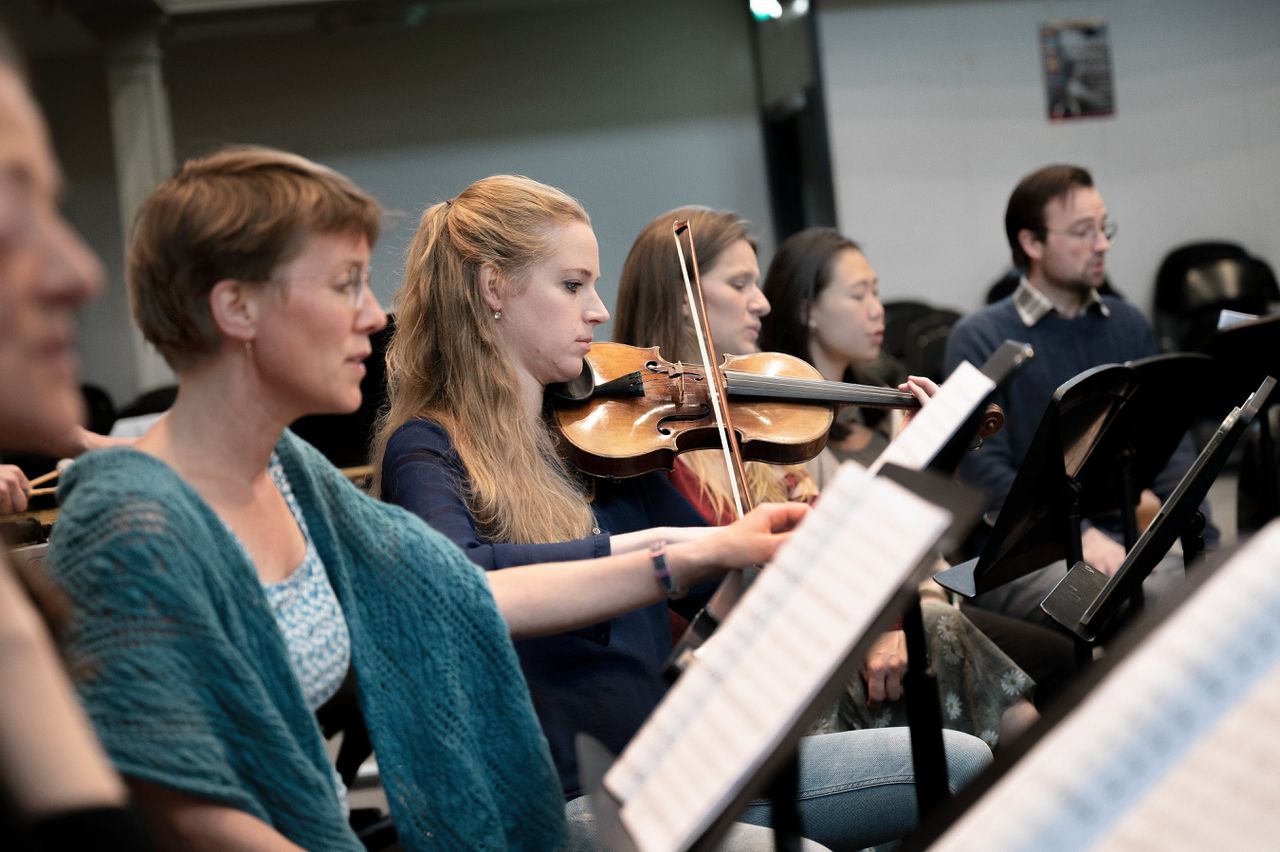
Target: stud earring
point(497, 315)
point(248, 349)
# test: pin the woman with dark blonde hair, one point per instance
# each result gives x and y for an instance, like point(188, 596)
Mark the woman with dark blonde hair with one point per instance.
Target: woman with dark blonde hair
point(228, 583)
point(651, 308)
point(505, 273)
point(980, 685)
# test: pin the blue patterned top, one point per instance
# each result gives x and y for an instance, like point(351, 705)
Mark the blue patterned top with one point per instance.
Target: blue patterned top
point(308, 613)
point(187, 678)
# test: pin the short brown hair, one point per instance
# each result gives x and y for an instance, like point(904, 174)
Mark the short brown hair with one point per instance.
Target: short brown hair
point(1027, 203)
point(651, 290)
point(237, 214)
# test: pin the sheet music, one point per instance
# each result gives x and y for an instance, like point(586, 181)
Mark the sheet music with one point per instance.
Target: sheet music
point(780, 645)
point(1144, 752)
point(934, 424)
point(1224, 793)
point(1228, 318)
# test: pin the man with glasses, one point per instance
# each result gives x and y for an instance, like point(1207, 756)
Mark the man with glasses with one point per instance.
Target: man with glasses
point(1059, 234)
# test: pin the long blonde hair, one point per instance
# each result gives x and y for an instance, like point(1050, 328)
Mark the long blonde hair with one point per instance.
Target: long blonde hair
point(446, 362)
point(650, 298)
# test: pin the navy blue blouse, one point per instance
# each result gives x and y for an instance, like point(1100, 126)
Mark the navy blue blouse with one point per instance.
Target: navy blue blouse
point(604, 679)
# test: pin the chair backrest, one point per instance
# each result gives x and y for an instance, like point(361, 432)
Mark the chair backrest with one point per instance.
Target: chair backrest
point(898, 316)
point(152, 402)
point(344, 438)
point(1197, 281)
point(927, 343)
point(915, 334)
point(100, 410)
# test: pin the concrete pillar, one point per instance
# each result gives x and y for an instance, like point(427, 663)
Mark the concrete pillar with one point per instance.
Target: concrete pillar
point(144, 152)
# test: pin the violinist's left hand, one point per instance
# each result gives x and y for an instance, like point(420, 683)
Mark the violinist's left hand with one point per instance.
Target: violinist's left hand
point(922, 388)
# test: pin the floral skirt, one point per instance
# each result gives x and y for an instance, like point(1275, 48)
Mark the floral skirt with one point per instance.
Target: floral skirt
point(977, 683)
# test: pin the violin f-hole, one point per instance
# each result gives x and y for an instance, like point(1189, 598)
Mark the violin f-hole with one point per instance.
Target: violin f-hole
point(699, 412)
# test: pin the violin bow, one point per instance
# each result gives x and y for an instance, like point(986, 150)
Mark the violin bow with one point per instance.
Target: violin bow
point(715, 378)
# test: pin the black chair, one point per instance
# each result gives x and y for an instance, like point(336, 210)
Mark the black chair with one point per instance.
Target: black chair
point(915, 334)
point(344, 438)
point(927, 342)
point(1197, 281)
point(152, 402)
point(100, 411)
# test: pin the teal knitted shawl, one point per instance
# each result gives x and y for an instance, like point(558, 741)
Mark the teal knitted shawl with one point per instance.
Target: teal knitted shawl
point(181, 666)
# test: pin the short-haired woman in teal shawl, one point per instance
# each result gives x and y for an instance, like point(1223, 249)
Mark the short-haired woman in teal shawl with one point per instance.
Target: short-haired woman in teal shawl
point(227, 580)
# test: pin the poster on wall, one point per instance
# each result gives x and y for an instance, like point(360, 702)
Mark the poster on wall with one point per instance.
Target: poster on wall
point(1077, 69)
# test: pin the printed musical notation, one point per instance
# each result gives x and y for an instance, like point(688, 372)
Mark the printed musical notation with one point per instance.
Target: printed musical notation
point(784, 640)
point(1174, 749)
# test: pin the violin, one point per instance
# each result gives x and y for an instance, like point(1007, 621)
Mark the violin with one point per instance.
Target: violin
point(631, 411)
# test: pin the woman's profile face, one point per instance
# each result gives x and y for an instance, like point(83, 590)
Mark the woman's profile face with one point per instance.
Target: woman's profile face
point(46, 274)
point(846, 319)
point(735, 302)
point(313, 334)
point(550, 316)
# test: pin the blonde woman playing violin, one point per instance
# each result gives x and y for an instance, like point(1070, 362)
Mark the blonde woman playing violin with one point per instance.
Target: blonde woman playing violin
point(499, 302)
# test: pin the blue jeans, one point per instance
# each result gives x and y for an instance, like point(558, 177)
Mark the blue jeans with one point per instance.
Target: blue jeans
point(857, 789)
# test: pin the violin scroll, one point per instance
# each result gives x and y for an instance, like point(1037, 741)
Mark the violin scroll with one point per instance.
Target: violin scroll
point(992, 421)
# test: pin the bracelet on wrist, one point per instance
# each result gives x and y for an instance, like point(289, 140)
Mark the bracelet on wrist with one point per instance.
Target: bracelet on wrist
point(662, 571)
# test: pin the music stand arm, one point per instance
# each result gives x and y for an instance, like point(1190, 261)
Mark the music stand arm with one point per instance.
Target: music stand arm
point(924, 715)
point(784, 792)
point(1193, 539)
point(1129, 514)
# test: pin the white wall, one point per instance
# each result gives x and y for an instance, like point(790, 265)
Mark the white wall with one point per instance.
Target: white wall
point(610, 101)
point(937, 108)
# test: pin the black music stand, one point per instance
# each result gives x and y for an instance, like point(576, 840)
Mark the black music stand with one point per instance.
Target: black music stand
point(1139, 443)
point(1105, 436)
point(1086, 600)
point(1129, 640)
point(1040, 520)
point(1246, 354)
point(779, 770)
point(999, 366)
point(919, 683)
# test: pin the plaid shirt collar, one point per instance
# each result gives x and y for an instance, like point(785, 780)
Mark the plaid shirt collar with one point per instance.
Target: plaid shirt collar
point(1033, 306)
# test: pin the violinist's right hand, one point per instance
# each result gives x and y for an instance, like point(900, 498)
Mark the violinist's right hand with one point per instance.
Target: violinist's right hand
point(749, 541)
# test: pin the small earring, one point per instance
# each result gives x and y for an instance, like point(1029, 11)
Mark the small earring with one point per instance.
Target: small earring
point(248, 349)
point(497, 315)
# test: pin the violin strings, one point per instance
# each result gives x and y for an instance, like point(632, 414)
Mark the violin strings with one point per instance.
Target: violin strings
point(788, 387)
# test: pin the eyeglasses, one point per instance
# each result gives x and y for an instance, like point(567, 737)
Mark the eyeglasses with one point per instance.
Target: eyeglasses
point(1088, 233)
point(352, 285)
